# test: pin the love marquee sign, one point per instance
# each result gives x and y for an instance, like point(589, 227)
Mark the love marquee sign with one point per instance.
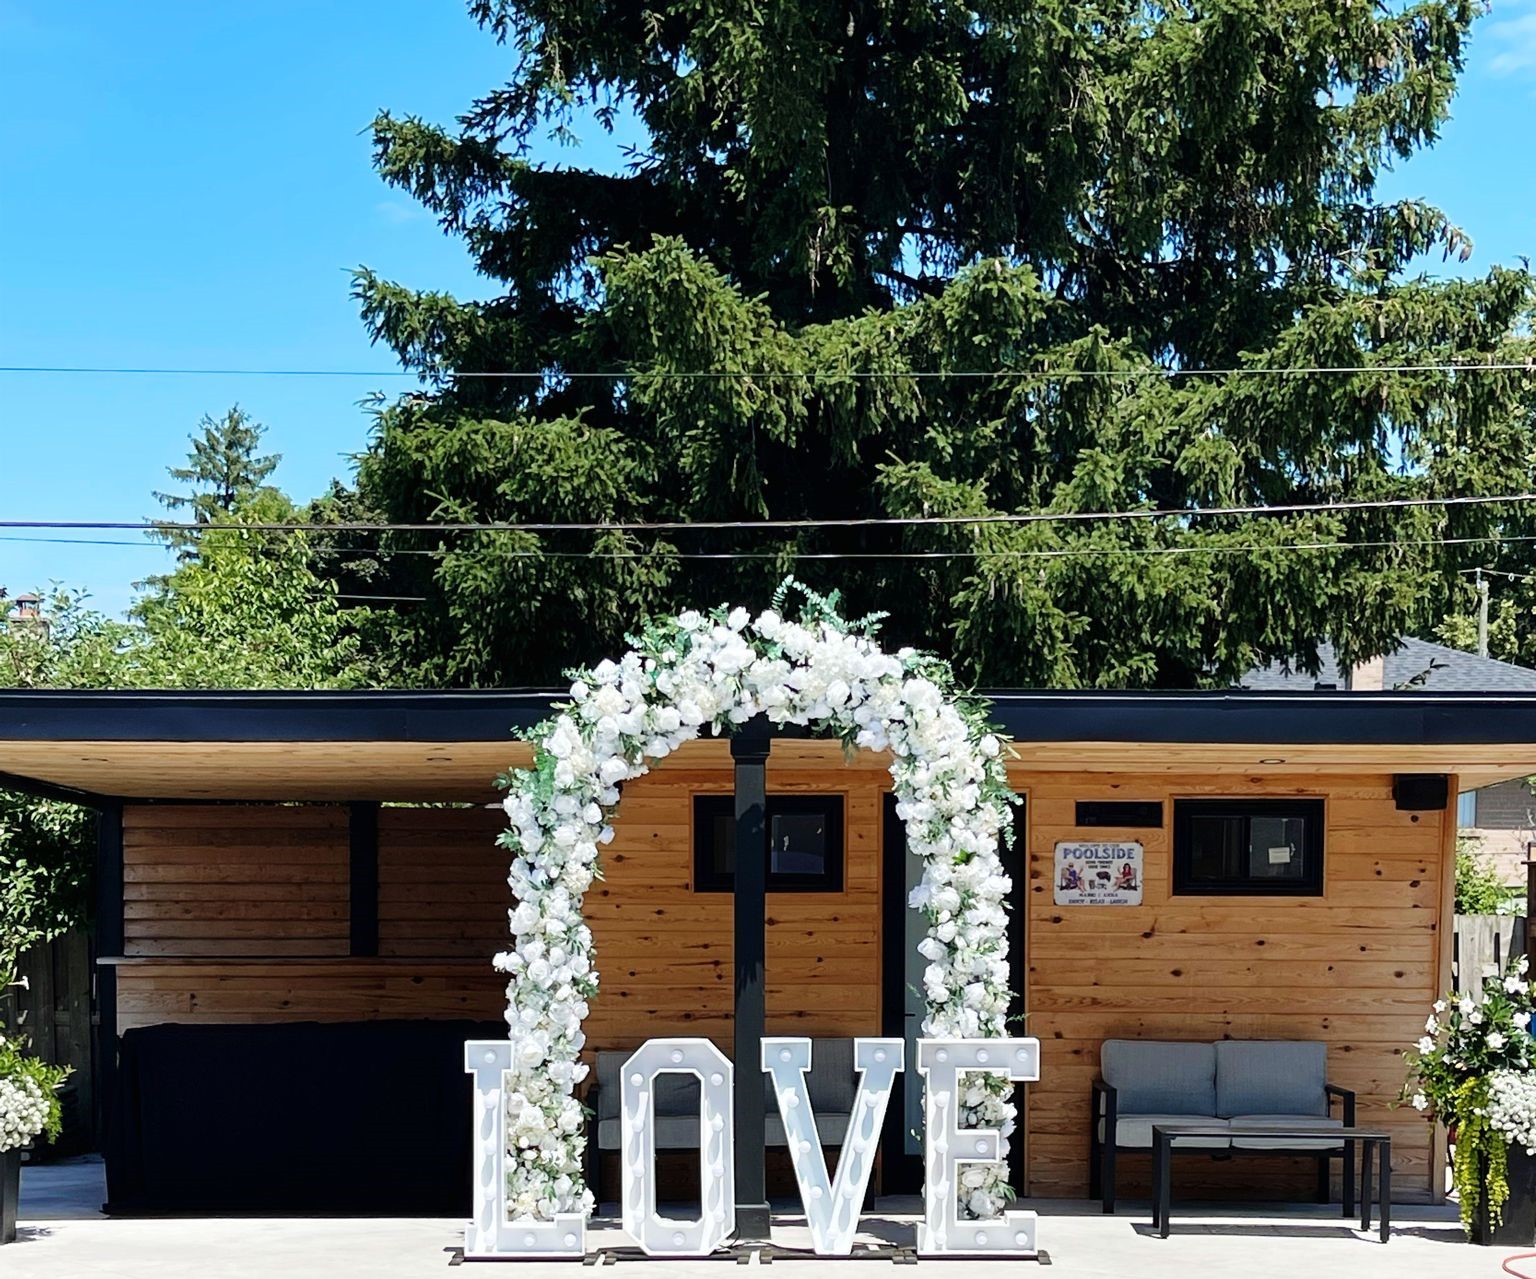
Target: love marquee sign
point(832, 1203)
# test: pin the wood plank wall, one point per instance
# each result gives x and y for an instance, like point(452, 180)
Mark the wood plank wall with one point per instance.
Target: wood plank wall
point(664, 952)
point(442, 883)
point(240, 914)
point(1356, 968)
point(219, 879)
point(217, 889)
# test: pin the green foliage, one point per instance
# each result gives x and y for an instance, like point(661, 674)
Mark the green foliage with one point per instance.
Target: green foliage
point(45, 864)
point(1480, 1159)
point(840, 203)
point(223, 470)
point(1479, 890)
point(248, 612)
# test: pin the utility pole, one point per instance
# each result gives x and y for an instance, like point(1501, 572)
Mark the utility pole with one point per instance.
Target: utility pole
point(1482, 614)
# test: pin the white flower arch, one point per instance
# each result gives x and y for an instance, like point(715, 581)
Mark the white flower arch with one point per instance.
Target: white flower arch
point(715, 671)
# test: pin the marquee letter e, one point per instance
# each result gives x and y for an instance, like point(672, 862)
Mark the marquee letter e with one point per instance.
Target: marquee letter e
point(941, 1062)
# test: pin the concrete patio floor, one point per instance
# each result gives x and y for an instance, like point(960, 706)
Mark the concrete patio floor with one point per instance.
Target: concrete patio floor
point(63, 1236)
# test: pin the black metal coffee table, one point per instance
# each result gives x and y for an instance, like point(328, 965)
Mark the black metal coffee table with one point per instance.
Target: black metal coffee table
point(1373, 1140)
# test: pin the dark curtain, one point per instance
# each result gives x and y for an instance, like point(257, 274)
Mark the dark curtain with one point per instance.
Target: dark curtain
point(367, 1118)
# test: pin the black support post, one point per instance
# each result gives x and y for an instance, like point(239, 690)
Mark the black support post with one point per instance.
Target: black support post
point(109, 946)
point(1530, 907)
point(749, 750)
point(363, 875)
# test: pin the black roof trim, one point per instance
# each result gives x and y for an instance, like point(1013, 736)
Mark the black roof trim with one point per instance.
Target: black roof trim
point(1368, 718)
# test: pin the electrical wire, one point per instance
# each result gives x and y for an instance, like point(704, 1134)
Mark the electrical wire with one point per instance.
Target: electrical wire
point(1046, 554)
point(673, 526)
point(1318, 370)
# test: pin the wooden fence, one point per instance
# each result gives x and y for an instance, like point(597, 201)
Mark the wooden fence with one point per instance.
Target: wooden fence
point(1482, 940)
point(56, 1015)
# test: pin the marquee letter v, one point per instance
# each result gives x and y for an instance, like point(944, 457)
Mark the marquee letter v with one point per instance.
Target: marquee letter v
point(832, 1207)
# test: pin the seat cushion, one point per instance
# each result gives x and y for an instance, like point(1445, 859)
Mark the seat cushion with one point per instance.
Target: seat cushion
point(1156, 1077)
point(1134, 1132)
point(681, 1132)
point(1271, 1077)
point(1301, 1123)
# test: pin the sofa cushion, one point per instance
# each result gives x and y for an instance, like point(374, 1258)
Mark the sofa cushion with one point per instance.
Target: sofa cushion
point(1301, 1123)
point(1155, 1077)
point(681, 1132)
point(1134, 1132)
point(1270, 1077)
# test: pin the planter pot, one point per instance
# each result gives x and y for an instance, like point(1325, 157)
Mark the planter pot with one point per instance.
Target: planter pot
point(1518, 1227)
point(10, 1191)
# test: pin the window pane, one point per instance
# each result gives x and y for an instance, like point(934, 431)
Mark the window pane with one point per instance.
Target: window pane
point(1248, 846)
point(1216, 844)
point(798, 844)
point(1275, 847)
point(723, 851)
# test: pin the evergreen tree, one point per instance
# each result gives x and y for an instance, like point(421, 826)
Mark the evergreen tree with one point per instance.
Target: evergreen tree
point(224, 467)
point(902, 260)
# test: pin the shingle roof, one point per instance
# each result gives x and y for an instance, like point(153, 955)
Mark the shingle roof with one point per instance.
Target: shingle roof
point(1417, 664)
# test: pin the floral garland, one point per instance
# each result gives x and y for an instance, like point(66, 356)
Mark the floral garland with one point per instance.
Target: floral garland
point(714, 671)
point(1474, 1068)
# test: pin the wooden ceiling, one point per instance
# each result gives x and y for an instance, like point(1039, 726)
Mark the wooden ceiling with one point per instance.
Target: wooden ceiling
point(467, 771)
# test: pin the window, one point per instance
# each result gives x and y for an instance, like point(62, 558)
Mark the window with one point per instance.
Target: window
point(1124, 813)
point(805, 843)
point(1248, 846)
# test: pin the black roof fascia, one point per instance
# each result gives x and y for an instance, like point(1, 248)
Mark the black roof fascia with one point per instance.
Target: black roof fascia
point(1365, 718)
point(268, 716)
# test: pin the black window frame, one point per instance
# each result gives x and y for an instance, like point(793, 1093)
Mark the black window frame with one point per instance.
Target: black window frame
point(1311, 811)
point(708, 809)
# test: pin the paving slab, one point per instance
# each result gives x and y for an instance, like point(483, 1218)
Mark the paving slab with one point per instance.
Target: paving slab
point(64, 1236)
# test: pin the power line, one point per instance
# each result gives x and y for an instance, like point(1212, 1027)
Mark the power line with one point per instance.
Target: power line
point(674, 526)
point(1077, 552)
point(1317, 370)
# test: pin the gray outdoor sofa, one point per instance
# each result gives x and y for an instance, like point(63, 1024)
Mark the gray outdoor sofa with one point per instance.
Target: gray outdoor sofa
point(830, 1085)
point(1276, 1083)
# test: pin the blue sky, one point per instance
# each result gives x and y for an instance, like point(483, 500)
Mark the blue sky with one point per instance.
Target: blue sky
point(187, 184)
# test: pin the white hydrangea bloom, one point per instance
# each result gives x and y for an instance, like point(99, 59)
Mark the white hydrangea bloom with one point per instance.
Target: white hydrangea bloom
point(695, 672)
point(23, 1112)
point(1512, 1106)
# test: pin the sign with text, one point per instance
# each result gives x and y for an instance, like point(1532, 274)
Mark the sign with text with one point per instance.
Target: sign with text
point(1098, 873)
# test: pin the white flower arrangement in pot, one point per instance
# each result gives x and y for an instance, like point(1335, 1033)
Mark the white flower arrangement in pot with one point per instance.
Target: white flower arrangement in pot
point(29, 1109)
point(1474, 1069)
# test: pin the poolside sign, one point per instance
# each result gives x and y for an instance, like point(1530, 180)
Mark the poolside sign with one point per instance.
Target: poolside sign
point(1098, 873)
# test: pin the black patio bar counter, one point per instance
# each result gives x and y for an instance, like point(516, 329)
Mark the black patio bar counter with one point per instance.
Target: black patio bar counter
point(329, 1118)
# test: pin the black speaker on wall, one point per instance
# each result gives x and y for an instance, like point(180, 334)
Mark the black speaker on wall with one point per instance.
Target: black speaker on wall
point(1421, 792)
